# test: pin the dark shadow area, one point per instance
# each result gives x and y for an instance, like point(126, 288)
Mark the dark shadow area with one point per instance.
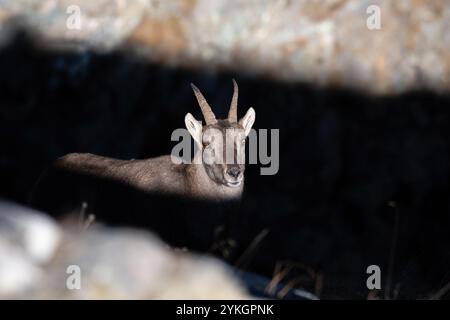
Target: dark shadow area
point(351, 165)
point(184, 223)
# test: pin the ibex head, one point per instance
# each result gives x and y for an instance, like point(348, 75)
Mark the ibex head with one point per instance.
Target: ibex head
point(221, 142)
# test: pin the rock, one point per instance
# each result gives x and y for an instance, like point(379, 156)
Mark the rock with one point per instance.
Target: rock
point(36, 235)
point(320, 42)
point(112, 263)
point(17, 273)
point(103, 24)
point(324, 42)
point(126, 264)
point(27, 239)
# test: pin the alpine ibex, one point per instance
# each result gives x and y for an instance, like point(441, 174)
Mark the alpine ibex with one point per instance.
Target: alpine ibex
point(206, 177)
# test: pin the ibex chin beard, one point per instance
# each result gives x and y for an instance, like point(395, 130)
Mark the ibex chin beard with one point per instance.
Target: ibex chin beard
point(234, 184)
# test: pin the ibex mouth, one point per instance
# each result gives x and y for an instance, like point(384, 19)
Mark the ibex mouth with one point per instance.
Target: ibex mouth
point(234, 184)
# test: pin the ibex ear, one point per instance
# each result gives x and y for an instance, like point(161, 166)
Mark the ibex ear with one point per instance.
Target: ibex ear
point(248, 120)
point(194, 127)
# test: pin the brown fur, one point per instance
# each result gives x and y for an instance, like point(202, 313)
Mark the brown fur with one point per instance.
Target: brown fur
point(158, 174)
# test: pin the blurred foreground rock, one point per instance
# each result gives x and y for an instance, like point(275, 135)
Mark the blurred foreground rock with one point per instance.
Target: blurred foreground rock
point(35, 254)
point(325, 42)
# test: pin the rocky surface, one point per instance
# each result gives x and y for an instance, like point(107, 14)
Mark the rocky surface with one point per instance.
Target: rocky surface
point(324, 42)
point(102, 24)
point(35, 254)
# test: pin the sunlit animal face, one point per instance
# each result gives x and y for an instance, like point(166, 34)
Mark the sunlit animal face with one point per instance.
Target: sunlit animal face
point(223, 147)
point(221, 142)
point(223, 152)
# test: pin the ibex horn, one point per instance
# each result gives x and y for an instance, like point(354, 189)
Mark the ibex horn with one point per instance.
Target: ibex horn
point(232, 114)
point(209, 116)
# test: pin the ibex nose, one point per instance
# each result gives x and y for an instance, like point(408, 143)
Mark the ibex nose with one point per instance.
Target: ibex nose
point(234, 172)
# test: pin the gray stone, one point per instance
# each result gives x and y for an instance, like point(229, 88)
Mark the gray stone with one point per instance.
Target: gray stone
point(324, 42)
point(36, 257)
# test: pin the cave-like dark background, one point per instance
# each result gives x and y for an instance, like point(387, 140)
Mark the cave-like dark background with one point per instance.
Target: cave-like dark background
point(351, 165)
